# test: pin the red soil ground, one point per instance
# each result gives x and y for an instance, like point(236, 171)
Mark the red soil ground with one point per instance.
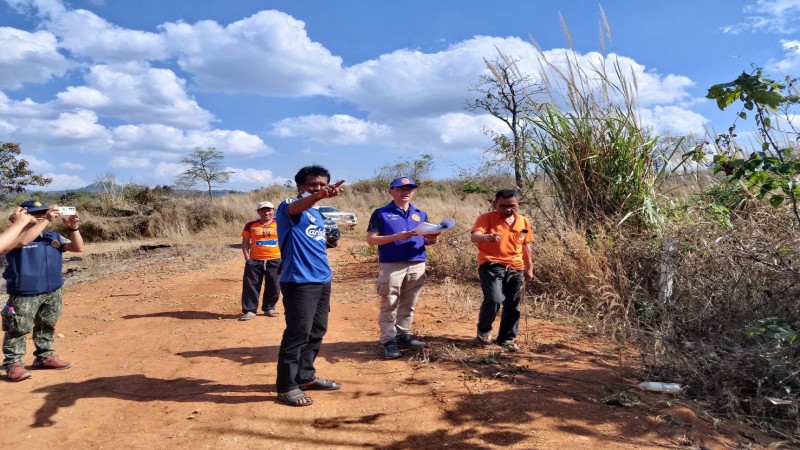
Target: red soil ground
point(160, 361)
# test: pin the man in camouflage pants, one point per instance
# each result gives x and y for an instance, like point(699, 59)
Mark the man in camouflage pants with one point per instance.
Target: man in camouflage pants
point(33, 281)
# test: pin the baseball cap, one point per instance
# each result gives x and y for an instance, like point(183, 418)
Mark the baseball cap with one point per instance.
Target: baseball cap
point(34, 206)
point(402, 181)
point(265, 205)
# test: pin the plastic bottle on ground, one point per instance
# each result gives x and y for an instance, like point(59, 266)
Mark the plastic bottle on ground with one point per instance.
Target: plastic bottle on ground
point(657, 386)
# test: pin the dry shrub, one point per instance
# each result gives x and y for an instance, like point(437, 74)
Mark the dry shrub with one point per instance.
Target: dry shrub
point(163, 215)
point(595, 279)
point(729, 330)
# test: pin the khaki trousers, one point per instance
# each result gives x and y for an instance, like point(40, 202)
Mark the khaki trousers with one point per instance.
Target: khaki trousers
point(399, 285)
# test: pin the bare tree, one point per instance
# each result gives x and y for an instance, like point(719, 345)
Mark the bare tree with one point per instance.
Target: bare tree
point(506, 93)
point(418, 169)
point(14, 172)
point(111, 191)
point(205, 164)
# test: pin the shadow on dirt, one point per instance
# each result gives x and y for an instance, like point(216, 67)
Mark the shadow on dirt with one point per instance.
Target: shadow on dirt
point(546, 391)
point(140, 388)
point(331, 352)
point(498, 419)
point(184, 315)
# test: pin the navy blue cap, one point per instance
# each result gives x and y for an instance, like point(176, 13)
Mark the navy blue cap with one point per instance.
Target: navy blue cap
point(34, 206)
point(402, 181)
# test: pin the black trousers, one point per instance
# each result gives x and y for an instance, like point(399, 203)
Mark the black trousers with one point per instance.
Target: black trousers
point(306, 308)
point(501, 286)
point(256, 272)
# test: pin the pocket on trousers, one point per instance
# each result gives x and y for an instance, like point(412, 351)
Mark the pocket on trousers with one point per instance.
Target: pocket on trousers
point(12, 324)
point(382, 285)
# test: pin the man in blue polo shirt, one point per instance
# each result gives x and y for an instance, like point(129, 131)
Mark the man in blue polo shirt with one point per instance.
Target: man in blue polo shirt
point(305, 285)
point(401, 254)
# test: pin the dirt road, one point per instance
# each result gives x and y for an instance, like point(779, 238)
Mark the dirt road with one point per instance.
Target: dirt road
point(161, 362)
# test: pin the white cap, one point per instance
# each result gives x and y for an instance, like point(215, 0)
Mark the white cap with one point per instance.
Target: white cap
point(265, 205)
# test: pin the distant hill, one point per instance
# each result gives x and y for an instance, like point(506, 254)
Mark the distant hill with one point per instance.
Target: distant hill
point(98, 188)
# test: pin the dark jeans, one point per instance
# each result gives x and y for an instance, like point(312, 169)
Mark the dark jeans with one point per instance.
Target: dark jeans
point(257, 272)
point(306, 311)
point(501, 286)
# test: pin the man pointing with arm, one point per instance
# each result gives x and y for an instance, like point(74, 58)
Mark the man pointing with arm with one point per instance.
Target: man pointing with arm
point(305, 285)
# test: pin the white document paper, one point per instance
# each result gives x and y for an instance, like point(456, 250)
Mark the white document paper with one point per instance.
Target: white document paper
point(430, 228)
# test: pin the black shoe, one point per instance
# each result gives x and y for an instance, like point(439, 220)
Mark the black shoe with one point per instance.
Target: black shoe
point(409, 341)
point(390, 350)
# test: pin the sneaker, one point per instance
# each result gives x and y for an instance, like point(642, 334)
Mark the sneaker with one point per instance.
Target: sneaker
point(390, 350)
point(409, 341)
point(510, 346)
point(248, 315)
point(51, 362)
point(16, 372)
point(484, 338)
point(271, 313)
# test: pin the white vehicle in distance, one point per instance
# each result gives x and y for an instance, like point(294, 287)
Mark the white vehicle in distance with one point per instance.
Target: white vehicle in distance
point(345, 219)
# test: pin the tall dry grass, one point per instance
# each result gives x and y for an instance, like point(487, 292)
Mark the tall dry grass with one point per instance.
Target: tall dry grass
point(729, 331)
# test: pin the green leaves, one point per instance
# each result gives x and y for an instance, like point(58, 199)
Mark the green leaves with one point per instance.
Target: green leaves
point(771, 171)
point(774, 329)
point(752, 89)
point(724, 94)
point(15, 175)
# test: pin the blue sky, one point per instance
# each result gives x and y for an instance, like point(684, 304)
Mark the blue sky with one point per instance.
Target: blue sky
point(89, 87)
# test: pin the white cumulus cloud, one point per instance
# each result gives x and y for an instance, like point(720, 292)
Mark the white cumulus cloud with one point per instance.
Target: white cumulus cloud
point(410, 82)
point(85, 34)
point(674, 119)
point(63, 181)
point(338, 129)
point(255, 177)
point(68, 128)
point(779, 16)
point(73, 166)
point(125, 162)
point(137, 93)
point(37, 164)
point(168, 170)
point(153, 139)
point(270, 50)
point(790, 64)
point(28, 58)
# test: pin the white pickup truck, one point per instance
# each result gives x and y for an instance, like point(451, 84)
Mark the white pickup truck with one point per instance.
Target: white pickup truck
point(345, 219)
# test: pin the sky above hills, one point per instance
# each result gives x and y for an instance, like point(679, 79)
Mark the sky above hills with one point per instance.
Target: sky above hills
point(89, 87)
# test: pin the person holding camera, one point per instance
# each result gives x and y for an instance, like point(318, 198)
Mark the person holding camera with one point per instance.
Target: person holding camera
point(262, 263)
point(504, 242)
point(33, 282)
point(9, 238)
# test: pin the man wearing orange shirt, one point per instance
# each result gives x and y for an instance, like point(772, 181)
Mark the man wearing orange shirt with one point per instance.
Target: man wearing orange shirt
point(262, 263)
point(504, 241)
